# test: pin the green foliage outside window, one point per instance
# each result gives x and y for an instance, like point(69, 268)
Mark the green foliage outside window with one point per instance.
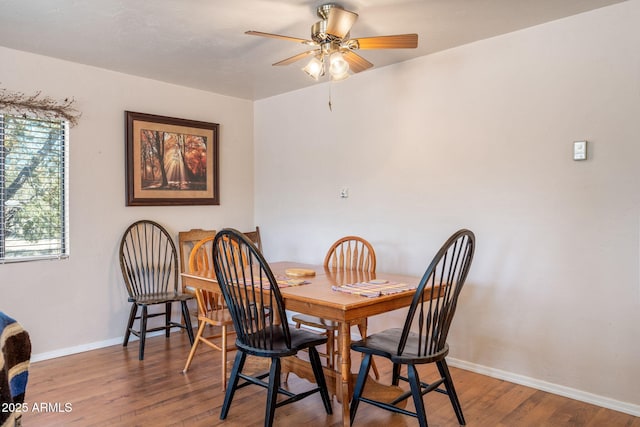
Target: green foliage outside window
point(33, 188)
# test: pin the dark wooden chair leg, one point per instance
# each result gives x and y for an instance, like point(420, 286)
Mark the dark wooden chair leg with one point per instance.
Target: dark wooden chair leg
point(167, 319)
point(451, 391)
point(360, 382)
point(238, 364)
point(316, 365)
point(132, 318)
point(272, 395)
point(416, 393)
point(187, 321)
point(395, 378)
point(143, 331)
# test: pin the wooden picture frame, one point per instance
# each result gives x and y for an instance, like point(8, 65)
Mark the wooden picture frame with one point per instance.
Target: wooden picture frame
point(171, 161)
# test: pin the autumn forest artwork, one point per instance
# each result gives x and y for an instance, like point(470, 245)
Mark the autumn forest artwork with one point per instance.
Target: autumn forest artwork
point(172, 161)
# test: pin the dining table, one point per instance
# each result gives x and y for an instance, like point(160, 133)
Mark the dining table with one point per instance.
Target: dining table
point(344, 296)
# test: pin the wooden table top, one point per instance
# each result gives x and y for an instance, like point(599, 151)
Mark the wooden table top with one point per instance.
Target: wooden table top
point(319, 299)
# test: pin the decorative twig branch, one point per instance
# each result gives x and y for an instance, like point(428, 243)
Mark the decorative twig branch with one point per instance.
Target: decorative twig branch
point(39, 106)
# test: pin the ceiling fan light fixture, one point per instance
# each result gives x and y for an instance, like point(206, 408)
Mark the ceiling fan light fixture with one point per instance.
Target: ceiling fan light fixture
point(334, 51)
point(315, 68)
point(338, 66)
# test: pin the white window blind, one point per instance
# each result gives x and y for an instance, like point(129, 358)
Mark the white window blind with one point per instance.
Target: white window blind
point(33, 189)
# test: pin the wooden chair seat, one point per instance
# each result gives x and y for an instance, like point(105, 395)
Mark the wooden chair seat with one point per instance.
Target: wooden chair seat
point(159, 298)
point(217, 317)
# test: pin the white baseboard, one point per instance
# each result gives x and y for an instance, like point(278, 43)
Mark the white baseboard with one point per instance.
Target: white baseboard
point(572, 393)
point(86, 347)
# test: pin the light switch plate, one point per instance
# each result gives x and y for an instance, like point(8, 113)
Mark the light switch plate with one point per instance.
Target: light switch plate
point(580, 150)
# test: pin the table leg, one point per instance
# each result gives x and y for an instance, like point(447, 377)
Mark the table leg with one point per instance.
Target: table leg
point(345, 365)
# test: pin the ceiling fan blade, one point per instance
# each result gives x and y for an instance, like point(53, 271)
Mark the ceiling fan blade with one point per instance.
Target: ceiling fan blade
point(356, 62)
point(400, 41)
point(297, 57)
point(278, 36)
point(340, 21)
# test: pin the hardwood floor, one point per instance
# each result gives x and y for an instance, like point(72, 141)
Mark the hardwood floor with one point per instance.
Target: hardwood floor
point(110, 387)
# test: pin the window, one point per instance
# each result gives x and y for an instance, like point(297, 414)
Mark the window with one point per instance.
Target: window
point(33, 189)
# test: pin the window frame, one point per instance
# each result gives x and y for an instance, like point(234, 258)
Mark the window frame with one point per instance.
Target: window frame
point(61, 175)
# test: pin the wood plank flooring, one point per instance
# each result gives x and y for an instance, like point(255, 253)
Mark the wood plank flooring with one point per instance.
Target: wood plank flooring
point(110, 387)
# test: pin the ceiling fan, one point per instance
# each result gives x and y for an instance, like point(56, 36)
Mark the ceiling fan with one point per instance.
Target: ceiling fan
point(334, 49)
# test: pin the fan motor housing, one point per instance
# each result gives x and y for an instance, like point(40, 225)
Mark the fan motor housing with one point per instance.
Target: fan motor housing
point(319, 34)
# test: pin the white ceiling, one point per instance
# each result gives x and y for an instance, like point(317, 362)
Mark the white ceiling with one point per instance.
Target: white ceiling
point(201, 43)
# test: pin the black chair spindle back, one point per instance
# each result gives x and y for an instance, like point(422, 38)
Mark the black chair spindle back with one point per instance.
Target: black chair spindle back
point(251, 293)
point(436, 297)
point(148, 258)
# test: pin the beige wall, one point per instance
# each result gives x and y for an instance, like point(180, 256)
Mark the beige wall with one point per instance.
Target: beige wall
point(481, 137)
point(80, 303)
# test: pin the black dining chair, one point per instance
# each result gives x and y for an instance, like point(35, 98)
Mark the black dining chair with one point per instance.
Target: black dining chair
point(149, 264)
point(257, 309)
point(423, 339)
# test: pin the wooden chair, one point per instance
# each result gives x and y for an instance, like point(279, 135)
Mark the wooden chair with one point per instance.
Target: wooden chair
point(423, 339)
point(210, 311)
point(186, 241)
point(256, 306)
point(348, 256)
point(351, 253)
point(149, 264)
point(254, 236)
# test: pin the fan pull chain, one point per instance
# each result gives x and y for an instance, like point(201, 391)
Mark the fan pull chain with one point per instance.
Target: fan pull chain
point(330, 87)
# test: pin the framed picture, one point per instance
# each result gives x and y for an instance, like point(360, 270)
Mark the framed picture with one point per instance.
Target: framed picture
point(171, 161)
